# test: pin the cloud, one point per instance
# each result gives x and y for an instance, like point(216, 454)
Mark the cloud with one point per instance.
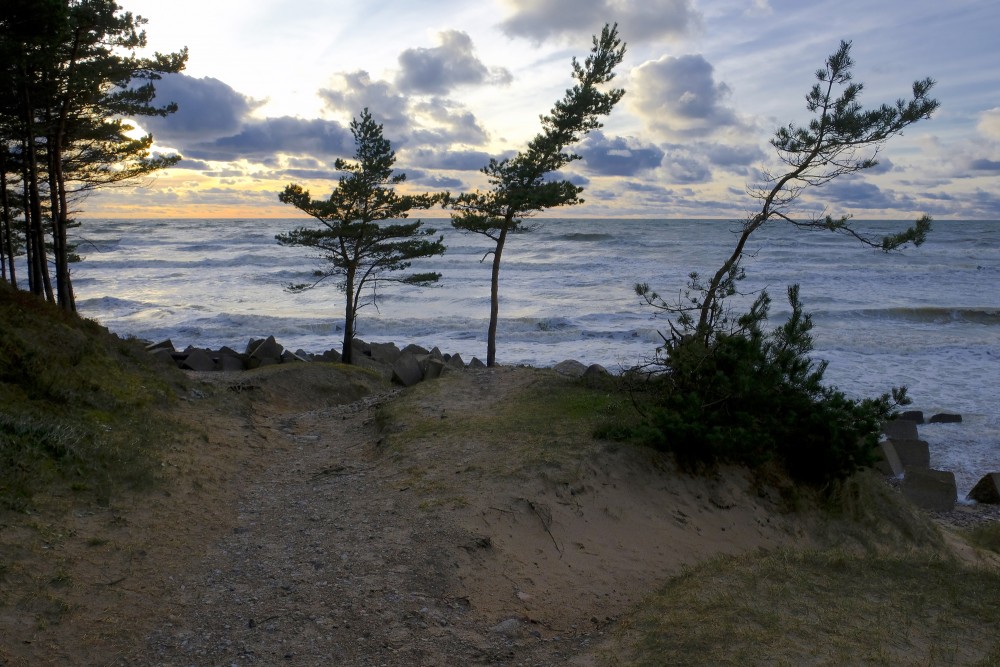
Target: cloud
point(682, 167)
point(438, 70)
point(734, 158)
point(985, 165)
point(429, 158)
point(450, 123)
point(433, 181)
point(638, 20)
point(618, 156)
point(677, 97)
point(989, 123)
point(260, 140)
point(356, 91)
point(206, 108)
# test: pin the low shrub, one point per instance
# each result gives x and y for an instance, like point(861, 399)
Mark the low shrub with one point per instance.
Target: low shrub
point(750, 397)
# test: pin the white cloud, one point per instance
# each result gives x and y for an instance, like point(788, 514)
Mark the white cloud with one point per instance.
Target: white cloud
point(677, 97)
point(638, 20)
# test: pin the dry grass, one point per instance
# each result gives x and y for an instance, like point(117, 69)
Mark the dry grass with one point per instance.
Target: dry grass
point(818, 608)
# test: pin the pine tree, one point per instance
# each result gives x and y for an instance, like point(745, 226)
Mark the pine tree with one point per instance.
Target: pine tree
point(519, 186)
point(356, 238)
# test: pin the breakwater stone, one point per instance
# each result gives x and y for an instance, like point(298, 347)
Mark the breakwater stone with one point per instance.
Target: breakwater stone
point(933, 490)
point(986, 490)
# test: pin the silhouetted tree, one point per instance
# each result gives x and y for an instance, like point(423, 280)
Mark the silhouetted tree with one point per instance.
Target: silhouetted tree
point(518, 186)
point(356, 241)
point(842, 138)
point(67, 69)
point(725, 389)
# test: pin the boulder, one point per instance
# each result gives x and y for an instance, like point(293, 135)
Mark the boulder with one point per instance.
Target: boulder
point(263, 352)
point(331, 356)
point(912, 453)
point(302, 354)
point(385, 353)
point(912, 415)
point(945, 418)
point(476, 363)
point(229, 362)
point(455, 361)
point(933, 490)
point(433, 369)
point(198, 360)
point(986, 490)
point(406, 371)
point(288, 357)
point(361, 347)
point(164, 354)
point(162, 345)
point(415, 349)
point(596, 371)
point(889, 463)
point(900, 429)
point(570, 368)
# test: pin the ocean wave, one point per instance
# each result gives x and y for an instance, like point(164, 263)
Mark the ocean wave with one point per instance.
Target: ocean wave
point(935, 315)
point(587, 237)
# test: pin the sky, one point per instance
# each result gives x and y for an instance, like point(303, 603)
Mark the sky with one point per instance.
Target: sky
point(271, 87)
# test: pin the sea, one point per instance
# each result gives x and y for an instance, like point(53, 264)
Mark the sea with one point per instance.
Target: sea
point(927, 318)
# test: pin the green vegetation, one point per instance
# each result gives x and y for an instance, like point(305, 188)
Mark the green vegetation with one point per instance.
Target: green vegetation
point(985, 536)
point(70, 74)
point(723, 389)
point(548, 423)
point(818, 608)
point(751, 397)
point(355, 240)
point(76, 404)
point(520, 185)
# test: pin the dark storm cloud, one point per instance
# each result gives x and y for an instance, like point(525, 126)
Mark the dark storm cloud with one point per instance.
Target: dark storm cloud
point(260, 140)
point(679, 98)
point(206, 109)
point(638, 20)
point(985, 165)
point(618, 156)
point(438, 70)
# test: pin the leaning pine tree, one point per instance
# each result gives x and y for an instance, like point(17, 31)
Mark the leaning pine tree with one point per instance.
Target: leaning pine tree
point(726, 389)
point(519, 187)
point(356, 239)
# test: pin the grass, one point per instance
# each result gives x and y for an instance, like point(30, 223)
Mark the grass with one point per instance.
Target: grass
point(547, 424)
point(818, 608)
point(985, 536)
point(78, 406)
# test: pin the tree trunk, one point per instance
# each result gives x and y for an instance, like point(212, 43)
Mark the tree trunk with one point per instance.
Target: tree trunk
point(6, 241)
point(491, 334)
point(346, 353)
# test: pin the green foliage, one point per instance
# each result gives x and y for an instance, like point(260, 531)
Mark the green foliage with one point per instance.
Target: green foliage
point(355, 241)
point(725, 389)
point(520, 186)
point(69, 76)
point(76, 403)
point(748, 396)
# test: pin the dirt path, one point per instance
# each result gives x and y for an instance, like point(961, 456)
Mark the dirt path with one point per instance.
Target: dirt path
point(300, 526)
point(344, 552)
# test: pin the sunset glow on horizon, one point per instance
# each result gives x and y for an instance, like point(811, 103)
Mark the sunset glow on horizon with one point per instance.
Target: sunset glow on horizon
point(269, 92)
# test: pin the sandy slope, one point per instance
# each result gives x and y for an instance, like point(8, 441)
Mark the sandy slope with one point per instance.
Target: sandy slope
point(298, 525)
